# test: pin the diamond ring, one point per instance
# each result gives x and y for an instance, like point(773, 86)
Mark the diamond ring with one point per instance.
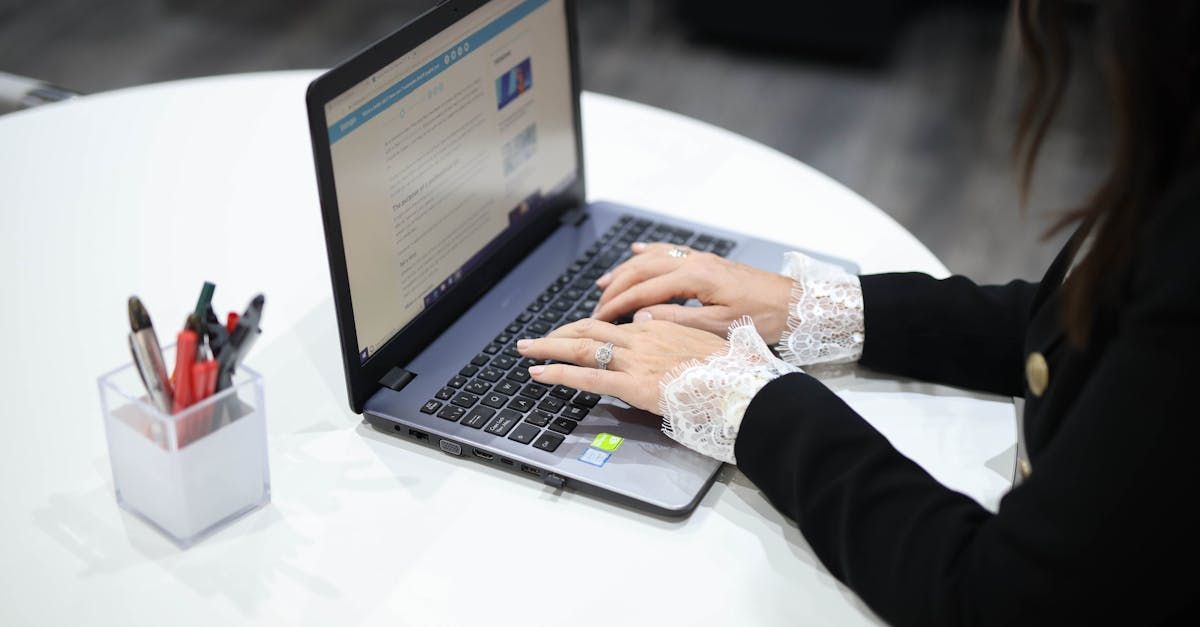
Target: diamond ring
point(678, 252)
point(604, 355)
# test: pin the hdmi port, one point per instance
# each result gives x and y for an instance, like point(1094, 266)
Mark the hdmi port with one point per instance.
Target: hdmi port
point(483, 454)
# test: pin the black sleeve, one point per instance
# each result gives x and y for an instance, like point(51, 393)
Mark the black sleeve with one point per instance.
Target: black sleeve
point(1101, 533)
point(948, 331)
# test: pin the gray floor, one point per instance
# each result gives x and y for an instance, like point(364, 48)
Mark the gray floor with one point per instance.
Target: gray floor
point(925, 135)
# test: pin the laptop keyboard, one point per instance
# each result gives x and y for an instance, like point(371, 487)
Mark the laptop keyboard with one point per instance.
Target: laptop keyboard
point(494, 393)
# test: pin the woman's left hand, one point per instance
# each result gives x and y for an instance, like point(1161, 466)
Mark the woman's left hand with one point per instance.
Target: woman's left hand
point(642, 354)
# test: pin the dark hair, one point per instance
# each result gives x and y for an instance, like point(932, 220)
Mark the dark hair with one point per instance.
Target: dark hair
point(1149, 51)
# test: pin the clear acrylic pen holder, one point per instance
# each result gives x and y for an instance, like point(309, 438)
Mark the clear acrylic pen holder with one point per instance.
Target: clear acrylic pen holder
point(191, 473)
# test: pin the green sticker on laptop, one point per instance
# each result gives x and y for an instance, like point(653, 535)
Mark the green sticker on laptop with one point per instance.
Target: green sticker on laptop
point(607, 442)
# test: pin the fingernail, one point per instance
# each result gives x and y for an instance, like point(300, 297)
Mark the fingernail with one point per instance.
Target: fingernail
point(638, 247)
point(523, 344)
point(604, 278)
point(536, 370)
point(642, 316)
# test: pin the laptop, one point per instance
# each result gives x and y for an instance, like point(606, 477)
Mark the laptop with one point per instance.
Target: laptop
point(449, 161)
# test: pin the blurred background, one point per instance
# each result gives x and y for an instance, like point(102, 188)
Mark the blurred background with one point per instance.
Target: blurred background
point(912, 104)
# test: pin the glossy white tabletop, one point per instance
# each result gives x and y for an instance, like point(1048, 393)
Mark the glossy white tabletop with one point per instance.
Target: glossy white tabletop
point(154, 189)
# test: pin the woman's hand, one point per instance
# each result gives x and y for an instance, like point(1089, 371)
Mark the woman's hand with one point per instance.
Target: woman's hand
point(727, 289)
point(643, 353)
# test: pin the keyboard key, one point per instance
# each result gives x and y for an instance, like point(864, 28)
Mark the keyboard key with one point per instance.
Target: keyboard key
point(551, 405)
point(507, 388)
point(457, 382)
point(562, 304)
point(521, 404)
point(477, 387)
point(534, 307)
point(492, 349)
point(480, 360)
point(495, 400)
point(503, 338)
point(595, 294)
point(444, 394)
point(545, 298)
point(548, 442)
point(587, 399)
point(524, 317)
point(524, 433)
point(529, 363)
point(511, 351)
point(539, 327)
point(491, 374)
point(550, 316)
point(519, 374)
point(574, 412)
point(515, 327)
point(577, 315)
point(478, 417)
point(589, 304)
point(563, 392)
point(451, 413)
point(539, 418)
point(430, 407)
point(562, 425)
point(468, 371)
point(573, 294)
point(465, 400)
point(534, 391)
point(503, 424)
point(504, 362)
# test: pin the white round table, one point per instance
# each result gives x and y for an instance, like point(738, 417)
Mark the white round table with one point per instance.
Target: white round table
point(154, 189)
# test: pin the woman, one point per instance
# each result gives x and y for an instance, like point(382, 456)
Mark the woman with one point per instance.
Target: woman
point(1101, 349)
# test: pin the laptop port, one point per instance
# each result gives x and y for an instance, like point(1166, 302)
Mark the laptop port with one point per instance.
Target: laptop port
point(530, 469)
point(483, 454)
point(506, 461)
point(420, 435)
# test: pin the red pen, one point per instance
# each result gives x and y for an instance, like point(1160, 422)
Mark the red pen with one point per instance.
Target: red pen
point(185, 356)
point(231, 321)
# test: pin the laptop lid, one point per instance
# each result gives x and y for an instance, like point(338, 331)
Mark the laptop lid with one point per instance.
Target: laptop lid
point(444, 153)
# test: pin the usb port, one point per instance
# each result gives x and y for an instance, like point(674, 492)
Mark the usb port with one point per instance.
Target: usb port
point(506, 461)
point(530, 469)
point(483, 454)
point(420, 435)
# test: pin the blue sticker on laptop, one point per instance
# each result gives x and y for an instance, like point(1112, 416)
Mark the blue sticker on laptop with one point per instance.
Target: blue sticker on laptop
point(595, 457)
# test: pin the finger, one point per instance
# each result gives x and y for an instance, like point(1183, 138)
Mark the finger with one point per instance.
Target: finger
point(636, 270)
point(579, 350)
point(653, 291)
point(712, 318)
point(593, 330)
point(654, 250)
point(608, 382)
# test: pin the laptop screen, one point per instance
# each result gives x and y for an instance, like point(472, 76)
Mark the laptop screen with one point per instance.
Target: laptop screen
point(444, 153)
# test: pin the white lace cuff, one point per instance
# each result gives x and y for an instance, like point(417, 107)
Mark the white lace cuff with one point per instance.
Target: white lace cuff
point(703, 402)
point(825, 316)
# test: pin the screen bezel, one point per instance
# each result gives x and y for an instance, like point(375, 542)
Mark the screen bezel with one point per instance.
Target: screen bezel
point(362, 379)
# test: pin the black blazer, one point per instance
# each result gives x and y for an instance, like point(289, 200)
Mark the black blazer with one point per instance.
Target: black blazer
point(1104, 530)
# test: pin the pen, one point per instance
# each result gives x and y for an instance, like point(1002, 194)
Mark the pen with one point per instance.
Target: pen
point(147, 356)
point(243, 337)
point(185, 356)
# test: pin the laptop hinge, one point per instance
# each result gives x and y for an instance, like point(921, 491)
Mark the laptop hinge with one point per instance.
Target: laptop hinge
point(574, 216)
point(397, 378)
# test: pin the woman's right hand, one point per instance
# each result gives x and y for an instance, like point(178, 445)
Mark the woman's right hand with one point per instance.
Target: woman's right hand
point(727, 290)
